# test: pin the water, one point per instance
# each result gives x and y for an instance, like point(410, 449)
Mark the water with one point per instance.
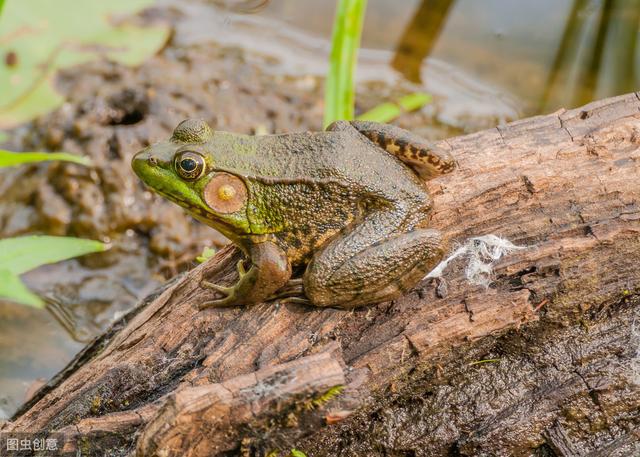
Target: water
point(486, 62)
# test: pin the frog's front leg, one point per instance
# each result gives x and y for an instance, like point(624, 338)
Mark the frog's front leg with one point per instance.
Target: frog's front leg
point(424, 157)
point(270, 270)
point(377, 261)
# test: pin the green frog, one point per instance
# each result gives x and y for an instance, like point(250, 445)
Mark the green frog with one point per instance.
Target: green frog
point(334, 218)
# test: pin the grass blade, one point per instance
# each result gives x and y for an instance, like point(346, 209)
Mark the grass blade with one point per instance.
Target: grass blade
point(12, 289)
point(10, 158)
point(339, 89)
point(386, 112)
point(21, 254)
point(478, 362)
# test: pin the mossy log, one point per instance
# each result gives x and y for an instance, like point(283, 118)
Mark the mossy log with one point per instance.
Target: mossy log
point(544, 362)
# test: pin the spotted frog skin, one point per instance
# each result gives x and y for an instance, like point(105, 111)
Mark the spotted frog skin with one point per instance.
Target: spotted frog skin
point(346, 209)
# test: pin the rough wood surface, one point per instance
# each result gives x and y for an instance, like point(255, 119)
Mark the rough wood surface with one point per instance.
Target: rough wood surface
point(557, 333)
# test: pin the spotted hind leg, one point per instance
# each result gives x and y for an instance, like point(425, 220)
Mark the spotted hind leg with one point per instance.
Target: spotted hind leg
point(425, 158)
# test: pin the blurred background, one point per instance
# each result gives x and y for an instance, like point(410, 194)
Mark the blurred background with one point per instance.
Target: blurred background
point(105, 79)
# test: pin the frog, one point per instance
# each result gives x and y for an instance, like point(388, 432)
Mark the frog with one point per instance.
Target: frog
point(332, 218)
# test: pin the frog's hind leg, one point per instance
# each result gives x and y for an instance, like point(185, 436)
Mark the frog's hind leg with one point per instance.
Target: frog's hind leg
point(426, 159)
point(353, 271)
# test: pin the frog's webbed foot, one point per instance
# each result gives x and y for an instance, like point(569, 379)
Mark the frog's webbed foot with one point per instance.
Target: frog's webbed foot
point(270, 270)
point(291, 288)
point(229, 292)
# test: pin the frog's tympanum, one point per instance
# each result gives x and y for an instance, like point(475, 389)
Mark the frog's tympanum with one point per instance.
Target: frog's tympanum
point(345, 209)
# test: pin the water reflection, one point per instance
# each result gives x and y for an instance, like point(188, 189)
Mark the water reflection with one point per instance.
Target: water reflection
point(548, 54)
point(420, 35)
point(595, 57)
point(597, 54)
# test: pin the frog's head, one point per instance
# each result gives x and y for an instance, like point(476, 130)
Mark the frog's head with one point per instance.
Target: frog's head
point(183, 170)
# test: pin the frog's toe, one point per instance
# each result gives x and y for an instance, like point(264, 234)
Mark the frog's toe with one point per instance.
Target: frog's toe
point(242, 271)
point(293, 289)
point(294, 300)
point(218, 303)
point(227, 290)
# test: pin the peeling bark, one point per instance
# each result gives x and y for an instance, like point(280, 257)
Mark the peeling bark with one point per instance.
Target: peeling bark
point(544, 362)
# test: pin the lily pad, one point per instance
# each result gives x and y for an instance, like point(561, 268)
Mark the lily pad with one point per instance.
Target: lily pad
point(40, 37)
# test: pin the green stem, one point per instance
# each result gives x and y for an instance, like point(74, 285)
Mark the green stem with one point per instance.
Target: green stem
point(340, 88)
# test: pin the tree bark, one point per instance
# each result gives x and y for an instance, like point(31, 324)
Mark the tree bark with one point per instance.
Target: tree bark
point(545, 361)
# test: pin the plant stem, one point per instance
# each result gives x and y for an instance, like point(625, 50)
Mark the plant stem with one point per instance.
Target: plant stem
point(339, 90)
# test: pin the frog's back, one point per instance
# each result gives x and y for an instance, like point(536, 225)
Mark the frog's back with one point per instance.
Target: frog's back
point(341, 157)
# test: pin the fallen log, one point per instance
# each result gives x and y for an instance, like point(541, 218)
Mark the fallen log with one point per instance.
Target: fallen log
point(545, 361)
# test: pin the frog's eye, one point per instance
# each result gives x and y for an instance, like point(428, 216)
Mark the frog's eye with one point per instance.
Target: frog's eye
point(189, 165)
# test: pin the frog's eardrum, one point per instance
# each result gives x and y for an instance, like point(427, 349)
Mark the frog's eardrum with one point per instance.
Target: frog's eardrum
point(225, 193)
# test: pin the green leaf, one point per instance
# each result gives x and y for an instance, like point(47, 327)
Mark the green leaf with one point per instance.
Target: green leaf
point(45, 38)
point(386, 112)
point(297, 453)
point(414, 101)
point(10, 158)
point(148, 41)
point(11, 288)
point(340, 87)
point(21, 254)
point(207, 253)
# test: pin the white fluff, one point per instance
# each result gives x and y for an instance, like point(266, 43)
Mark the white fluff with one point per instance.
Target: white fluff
point(482, 252)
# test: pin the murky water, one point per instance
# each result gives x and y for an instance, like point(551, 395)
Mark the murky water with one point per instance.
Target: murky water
point(546, 54)
point(485, 63)
point(531, 57)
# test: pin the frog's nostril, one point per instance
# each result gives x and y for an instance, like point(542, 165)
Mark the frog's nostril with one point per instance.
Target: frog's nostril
point(152, 161)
